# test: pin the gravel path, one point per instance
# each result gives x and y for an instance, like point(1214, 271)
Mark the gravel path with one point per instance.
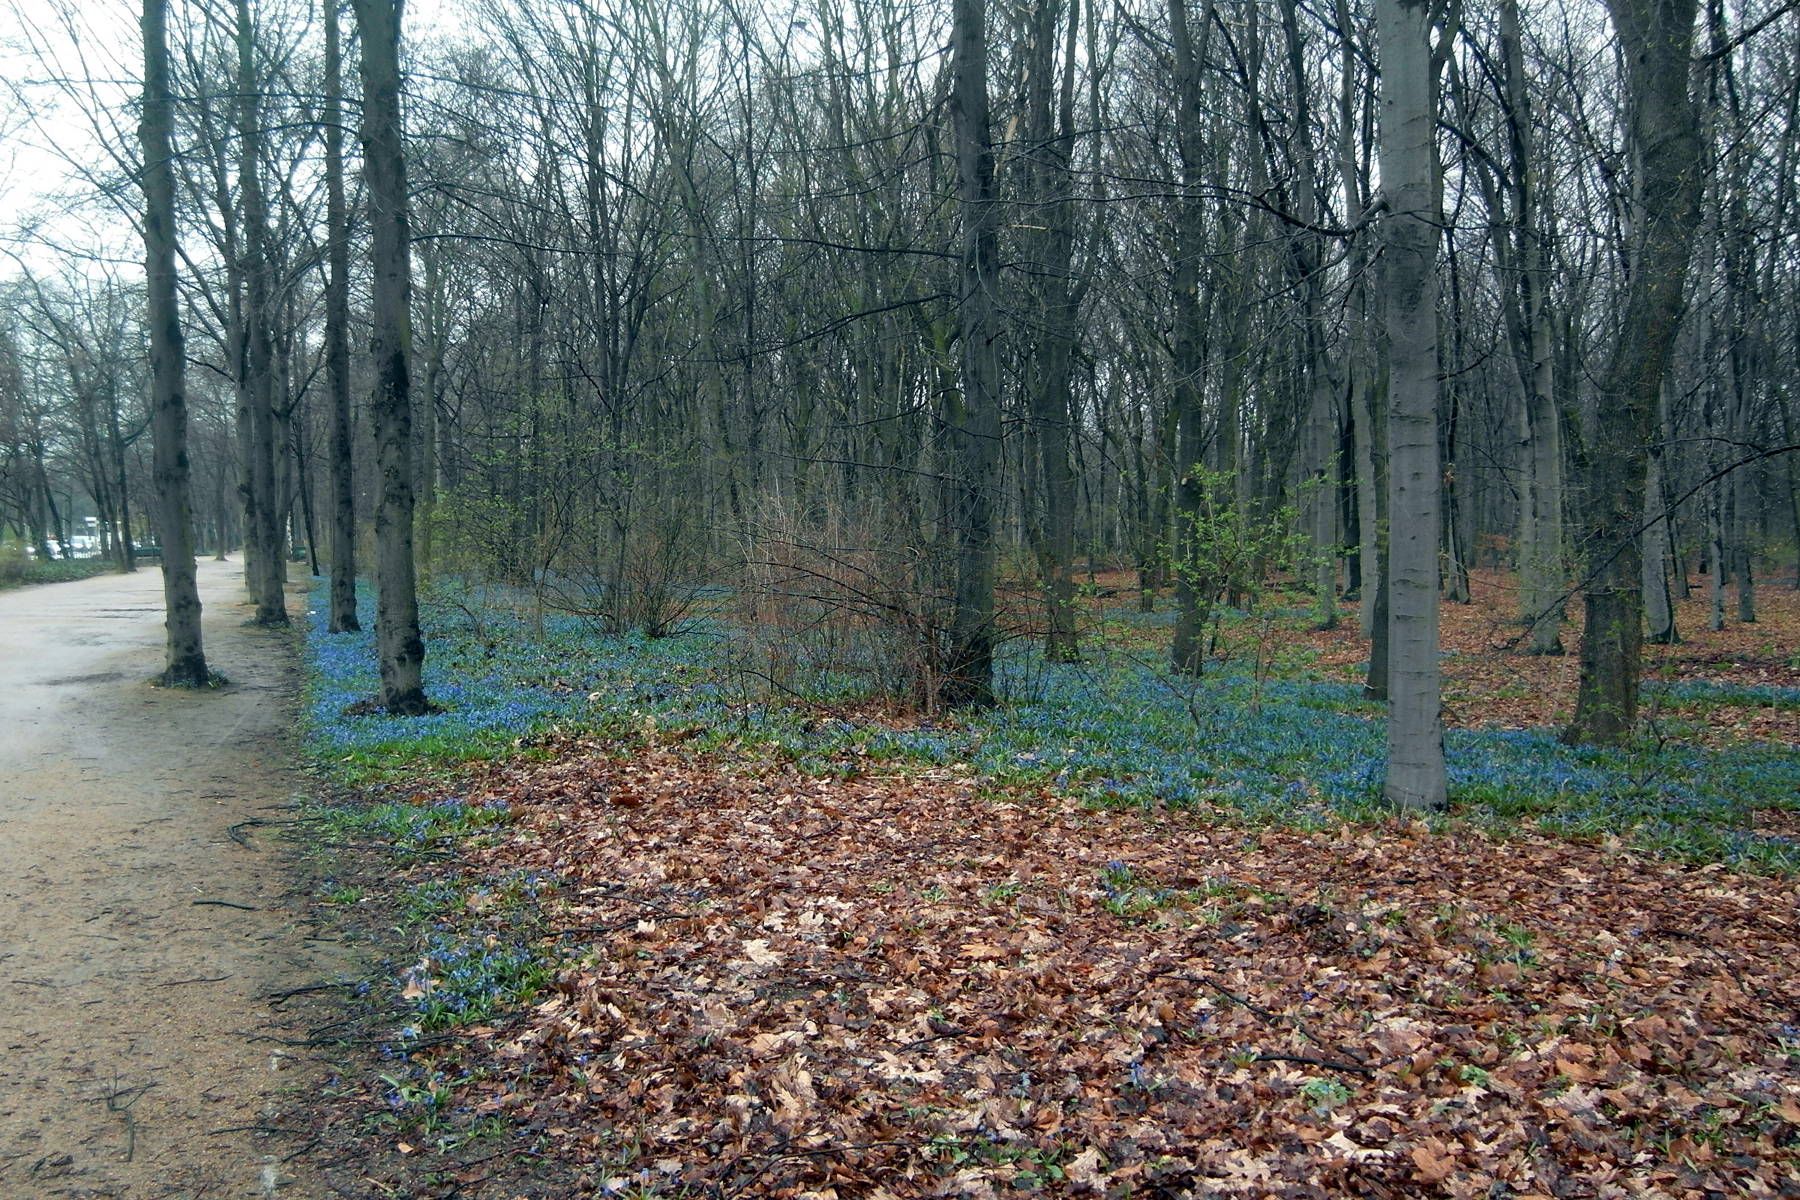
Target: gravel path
point(147, 911)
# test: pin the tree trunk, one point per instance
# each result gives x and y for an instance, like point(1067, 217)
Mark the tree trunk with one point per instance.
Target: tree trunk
point(1520, 252)
point(1664, 137)
point(435, 323)
point(1192, 593)
point(184, 656)
point(266, 566)
point(1415, 769)
point(972, 419)
point(1308, 255)
point(398, 645)
point(1659, 607)
point(116, 444)
point(1050, 258)
point(341, 616)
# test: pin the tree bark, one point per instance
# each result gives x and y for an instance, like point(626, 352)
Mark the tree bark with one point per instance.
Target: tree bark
point(1050, 255)
point(184, 654)
point(398, 644)
point(1308, 253)
point(1664, 138)
point(1415, 768)
point(342, 609)
point(266, 566)
point(972, 419)
point(116, 445)
point(1659, 608)
point(1192, 594)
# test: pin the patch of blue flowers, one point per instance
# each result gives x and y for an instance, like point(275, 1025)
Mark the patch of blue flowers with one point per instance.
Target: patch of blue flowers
point(494, 678)
point(472, 978)
point(1112, 731)
point(1706, 693)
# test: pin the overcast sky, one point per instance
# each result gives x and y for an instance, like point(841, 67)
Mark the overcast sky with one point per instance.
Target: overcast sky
point(61, 61)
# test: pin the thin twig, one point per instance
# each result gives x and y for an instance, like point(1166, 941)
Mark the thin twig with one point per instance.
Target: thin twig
point(289, 993)
point(1313, 1061)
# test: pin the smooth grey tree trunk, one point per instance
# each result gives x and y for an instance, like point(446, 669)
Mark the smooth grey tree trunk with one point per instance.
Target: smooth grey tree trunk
point(1522, 261)
point(1745, 497)
point(1360, 371)
point(1415, 769)
point(399, 647)
point(1717, 558)
point(184, 658)
point(972, 419)
point(342, 615)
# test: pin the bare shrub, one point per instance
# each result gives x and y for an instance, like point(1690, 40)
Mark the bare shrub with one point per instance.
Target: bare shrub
point(834, 609)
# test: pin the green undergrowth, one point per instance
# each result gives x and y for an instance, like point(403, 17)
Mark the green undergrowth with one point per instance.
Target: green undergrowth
point(460, 949)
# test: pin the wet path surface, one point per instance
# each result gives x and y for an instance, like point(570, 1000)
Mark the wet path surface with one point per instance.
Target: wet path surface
point(146, 910)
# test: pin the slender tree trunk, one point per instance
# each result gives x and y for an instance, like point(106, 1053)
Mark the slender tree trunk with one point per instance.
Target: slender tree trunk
point(1659, 607)
point(268, 569)
point(1715, 537)
point(116, 444)
point(1664, 136)
point(341, 617)
point(398, 644)
point(435, 300)
point(1192, 592)
point(972, 419)
point(184, 656)
point(1308, 252)
point(1519, 248)
point(1049, 189)
point(1415, 770)
point(1745, 499)
point(1366, 439)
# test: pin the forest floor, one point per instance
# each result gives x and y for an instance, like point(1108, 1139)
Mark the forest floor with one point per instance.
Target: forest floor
point(1119, 938)
point(146, 915)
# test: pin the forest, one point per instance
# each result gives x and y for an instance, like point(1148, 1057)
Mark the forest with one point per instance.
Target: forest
point(890, 543)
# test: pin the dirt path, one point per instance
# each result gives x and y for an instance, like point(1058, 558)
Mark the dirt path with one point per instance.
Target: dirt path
point(129, 1008)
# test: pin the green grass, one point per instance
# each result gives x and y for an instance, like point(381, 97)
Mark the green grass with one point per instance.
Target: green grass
point(18, 570)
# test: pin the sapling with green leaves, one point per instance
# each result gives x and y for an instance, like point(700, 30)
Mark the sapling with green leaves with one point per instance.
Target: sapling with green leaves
point(1222, 557)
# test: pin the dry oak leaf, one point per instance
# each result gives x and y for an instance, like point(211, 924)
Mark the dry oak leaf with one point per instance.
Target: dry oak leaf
point(1433, 1161)
point(1344, 1148)
point(1084, 1169)
point(980, 951)
point(758, 952)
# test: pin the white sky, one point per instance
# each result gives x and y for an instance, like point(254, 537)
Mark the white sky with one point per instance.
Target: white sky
point(47, 48)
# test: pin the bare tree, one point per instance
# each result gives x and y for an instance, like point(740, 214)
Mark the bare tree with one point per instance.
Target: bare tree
point(399, 647)
point(184, 652)
point(1656, 37)
point(256, 405)
point(342, 616)
point(971, 418)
